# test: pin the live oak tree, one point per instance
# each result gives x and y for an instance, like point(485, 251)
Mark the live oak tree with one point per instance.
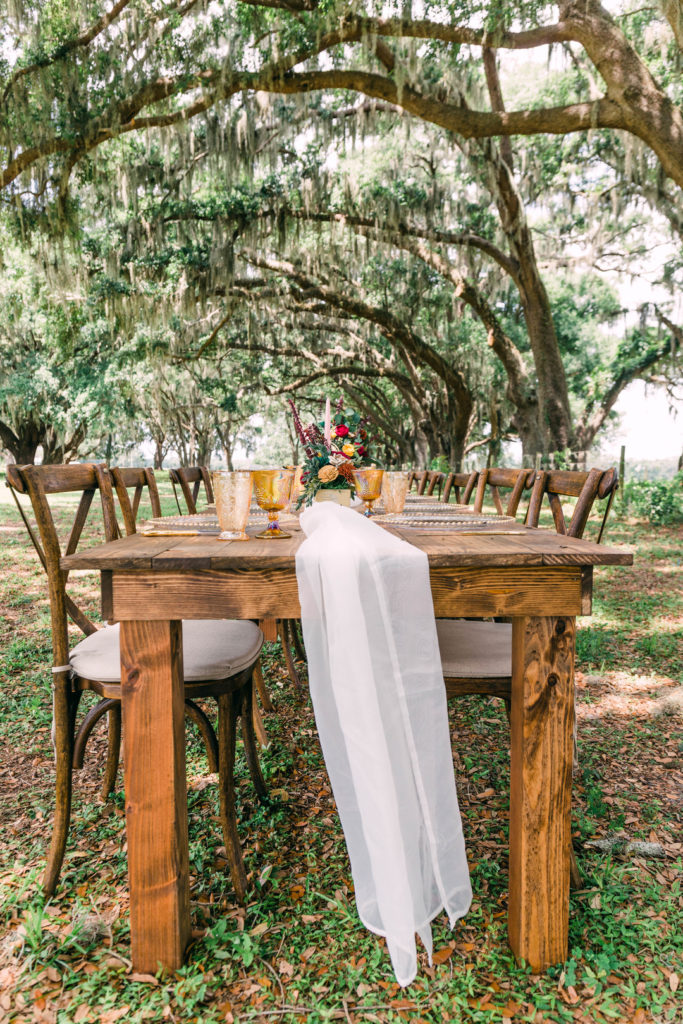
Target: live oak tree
point(60, 386)
point(91, 77)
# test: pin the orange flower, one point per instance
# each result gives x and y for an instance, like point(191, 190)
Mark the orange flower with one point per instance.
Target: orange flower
point(346, 470)
point(349, 449)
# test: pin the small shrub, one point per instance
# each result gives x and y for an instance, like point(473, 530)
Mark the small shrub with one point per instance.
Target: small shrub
point(660, 503)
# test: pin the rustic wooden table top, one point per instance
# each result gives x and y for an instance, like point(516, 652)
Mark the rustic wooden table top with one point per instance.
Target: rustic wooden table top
point(451, 547)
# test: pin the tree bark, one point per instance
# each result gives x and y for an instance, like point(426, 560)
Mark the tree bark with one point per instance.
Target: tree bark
point(22, 442)
point(553, 393)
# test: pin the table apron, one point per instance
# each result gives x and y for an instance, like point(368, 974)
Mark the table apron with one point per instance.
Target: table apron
point(273, 593)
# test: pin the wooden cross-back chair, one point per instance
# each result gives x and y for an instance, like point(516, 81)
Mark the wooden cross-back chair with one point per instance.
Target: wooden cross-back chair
point(218, 660)
point(190, 479)
point(515, 480)
point(461, 485)
point(139, 480)
point(586, 487)
point(476, 657)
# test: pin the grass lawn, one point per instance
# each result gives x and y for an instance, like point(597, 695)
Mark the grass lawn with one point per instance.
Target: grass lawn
point(297, 952)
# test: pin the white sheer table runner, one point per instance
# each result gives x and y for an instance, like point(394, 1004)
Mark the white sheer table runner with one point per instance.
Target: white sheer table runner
point(380, 706)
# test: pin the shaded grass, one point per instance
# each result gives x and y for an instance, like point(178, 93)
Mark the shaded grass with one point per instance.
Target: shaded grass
point(298, 951)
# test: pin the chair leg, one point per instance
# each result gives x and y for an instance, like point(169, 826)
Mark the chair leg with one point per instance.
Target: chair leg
point(65, 705)
point(227, 726)
point(249, 740)
point(260, 684)
point(298, 646)
point(257, 721)
point(113, 752)
point(287, 651)
point(86, 727)
point(194, 712)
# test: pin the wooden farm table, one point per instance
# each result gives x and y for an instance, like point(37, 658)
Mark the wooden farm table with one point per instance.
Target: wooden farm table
point(149, 584)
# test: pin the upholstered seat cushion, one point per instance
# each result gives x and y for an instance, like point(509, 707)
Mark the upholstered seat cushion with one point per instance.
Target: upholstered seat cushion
point(212, 649)
point(474, 649)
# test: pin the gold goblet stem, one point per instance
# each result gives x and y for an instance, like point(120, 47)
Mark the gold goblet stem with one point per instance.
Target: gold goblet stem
point(273, 527)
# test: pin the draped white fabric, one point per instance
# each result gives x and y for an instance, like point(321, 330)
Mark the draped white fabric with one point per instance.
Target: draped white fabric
point(380, 706)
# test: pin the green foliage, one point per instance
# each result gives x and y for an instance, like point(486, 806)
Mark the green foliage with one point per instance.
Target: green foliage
point(660, 502)
point(60, 386)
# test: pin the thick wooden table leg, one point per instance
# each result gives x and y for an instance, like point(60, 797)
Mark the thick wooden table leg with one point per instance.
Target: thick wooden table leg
point(541, 723)
point(156, 797)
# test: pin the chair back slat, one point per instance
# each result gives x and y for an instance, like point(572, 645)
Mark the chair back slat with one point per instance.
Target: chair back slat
point(195, 475)
point(455, 481)
point(586, 487)
point(435, 482)
point(584, 503)
point(111, 526)
point(495, 494)
point(421, 479)
point(139, 480)
point(614, 487)
point(495, 477)
point(558, 514)
point(79, 522)
point(208, 486)
point(136, 502)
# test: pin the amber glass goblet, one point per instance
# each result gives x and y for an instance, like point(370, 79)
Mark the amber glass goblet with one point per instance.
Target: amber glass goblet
point(232, 491)
point(368, 484)
point(272, 489)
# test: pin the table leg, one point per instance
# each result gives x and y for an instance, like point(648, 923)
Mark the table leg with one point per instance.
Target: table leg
point(152, 699)
point(541, 728)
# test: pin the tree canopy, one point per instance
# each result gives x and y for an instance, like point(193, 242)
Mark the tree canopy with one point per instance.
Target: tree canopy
point(407, 203)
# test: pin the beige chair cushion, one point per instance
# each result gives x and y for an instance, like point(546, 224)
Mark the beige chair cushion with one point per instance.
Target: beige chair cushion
point(212, 649)
point(474, 649)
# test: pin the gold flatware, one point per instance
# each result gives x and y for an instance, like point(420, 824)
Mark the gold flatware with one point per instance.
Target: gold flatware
point(171, 533)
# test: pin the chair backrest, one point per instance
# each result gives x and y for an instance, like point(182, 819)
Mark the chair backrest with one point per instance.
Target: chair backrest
point(515, 480)
point(38, 482)
point(419, 477)
point(586, 487)
point(137, 480)
point(190, 479)
point(462, 485)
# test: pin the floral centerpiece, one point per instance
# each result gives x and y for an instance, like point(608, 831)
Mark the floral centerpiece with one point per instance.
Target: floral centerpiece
point(334, 447)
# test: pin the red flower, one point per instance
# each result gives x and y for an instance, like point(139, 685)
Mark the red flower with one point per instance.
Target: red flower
point(342, 430)
point(361, 450)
